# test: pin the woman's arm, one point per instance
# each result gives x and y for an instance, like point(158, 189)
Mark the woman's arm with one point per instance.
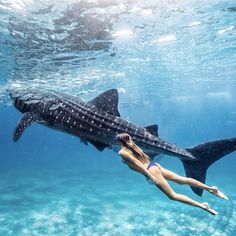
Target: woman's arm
point(136, 164)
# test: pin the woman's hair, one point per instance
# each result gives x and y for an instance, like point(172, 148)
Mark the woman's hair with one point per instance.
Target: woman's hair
point(139, 153)
point(127, 141)
point(142, 156)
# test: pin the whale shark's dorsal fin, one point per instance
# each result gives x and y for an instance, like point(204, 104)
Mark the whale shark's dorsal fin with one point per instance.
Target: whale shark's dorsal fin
point(107, 102)
point(27, 119)
point(153, 129)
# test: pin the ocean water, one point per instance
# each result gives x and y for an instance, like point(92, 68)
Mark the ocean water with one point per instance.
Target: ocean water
point(173, 63)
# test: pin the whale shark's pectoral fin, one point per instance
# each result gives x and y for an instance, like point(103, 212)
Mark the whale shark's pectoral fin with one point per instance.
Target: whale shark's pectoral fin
point(107, 102)
point(84, 141)
point(27, 119)
point(153, 129)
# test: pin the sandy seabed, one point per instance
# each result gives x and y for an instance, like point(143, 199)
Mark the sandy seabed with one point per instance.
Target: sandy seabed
point(65, 203)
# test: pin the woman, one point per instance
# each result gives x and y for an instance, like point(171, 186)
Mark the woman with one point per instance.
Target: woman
point(137, 160)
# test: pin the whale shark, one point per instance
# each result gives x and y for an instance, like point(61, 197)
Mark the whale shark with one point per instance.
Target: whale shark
point(98, 122)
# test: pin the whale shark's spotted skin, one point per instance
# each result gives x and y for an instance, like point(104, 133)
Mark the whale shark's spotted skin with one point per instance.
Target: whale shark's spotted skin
point(98, 122)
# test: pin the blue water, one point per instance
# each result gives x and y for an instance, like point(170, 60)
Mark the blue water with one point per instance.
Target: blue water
point(173, 63)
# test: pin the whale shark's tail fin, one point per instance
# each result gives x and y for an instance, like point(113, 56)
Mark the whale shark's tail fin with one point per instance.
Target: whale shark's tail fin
point(206, 154)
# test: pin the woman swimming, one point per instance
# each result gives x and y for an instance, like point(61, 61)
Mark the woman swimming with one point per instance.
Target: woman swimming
point(138, 161)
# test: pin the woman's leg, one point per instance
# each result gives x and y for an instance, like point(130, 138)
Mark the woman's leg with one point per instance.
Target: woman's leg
point(167, 174)
point(165, 188)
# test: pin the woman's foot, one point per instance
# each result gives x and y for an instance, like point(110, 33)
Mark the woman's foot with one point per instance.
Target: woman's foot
point(206, 207)
point(218, 193)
